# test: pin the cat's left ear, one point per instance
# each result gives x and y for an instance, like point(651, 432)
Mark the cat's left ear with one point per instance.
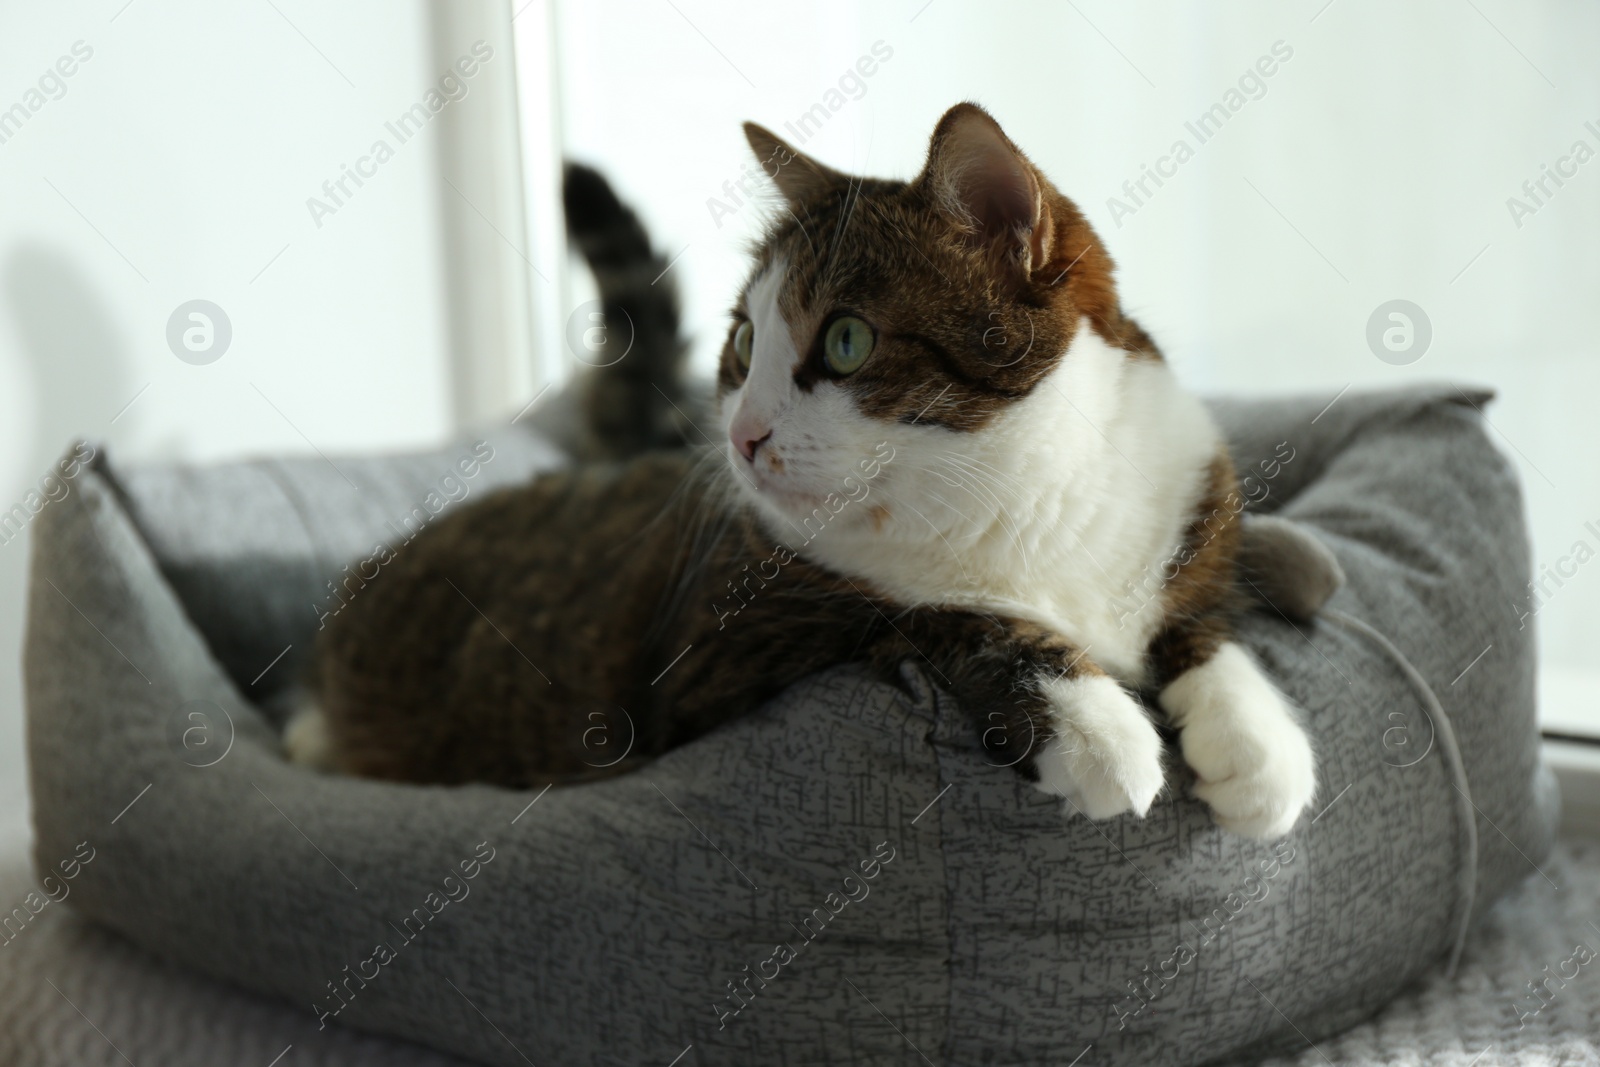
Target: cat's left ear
point(988, 189)
point(798, 177)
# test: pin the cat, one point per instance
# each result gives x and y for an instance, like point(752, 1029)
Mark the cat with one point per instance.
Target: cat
point(937, 438)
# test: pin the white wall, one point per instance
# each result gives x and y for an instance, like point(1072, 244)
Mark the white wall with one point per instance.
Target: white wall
point(190, 142)
point(1390, 140)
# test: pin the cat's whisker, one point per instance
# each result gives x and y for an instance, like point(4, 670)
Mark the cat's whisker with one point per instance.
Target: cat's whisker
point(980, 481)
point(959, 479)
point(972, 461)
point(1075, 535)
point(704, 475)
point(954, 555)
point(1012, 485)
point(949, 506)
point(994, 486)
point(965, 463)
point(851, 197)
point(691, 480)
point(802, 227)
point(997, 512)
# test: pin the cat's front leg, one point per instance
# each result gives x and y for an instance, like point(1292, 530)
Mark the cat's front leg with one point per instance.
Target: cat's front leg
point(1103, 755)
point(1238, 733)
point(1042, 706)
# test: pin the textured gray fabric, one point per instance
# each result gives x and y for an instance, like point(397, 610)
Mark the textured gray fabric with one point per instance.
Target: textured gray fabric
point(168, 1016)
point(611, 917)
point(158, 1014)
point(1486, 1016)
point(73, 994)
point(249, 548)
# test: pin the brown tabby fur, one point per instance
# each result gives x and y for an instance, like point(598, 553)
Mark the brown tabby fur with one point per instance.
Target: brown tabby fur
point(533, 636)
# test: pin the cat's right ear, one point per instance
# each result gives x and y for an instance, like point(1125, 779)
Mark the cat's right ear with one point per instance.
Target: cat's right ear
point(798, 177)
point(987, 188)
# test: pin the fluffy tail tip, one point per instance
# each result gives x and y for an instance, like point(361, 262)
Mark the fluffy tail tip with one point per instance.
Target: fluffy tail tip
point(588, 200)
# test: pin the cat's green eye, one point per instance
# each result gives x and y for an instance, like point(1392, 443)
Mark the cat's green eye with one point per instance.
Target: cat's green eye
point(847, 344)
point(743, 338)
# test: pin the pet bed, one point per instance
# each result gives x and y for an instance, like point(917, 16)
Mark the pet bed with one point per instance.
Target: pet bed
point(842, 877)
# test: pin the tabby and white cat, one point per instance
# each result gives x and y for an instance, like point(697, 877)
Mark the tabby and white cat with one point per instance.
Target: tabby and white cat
point(942, 440)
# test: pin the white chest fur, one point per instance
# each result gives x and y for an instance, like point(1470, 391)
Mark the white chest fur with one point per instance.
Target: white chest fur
point(1052, 512)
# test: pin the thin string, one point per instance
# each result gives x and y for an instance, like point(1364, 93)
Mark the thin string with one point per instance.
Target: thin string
point(1467, 872)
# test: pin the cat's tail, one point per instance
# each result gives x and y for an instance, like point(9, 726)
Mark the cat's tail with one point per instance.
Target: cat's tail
point(634, 395)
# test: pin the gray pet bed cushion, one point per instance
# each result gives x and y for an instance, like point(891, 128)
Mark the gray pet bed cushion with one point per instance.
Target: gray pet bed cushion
point(609, 923)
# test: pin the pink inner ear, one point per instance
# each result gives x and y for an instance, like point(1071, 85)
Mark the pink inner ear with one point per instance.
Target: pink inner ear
point(989, 180)
point(1000, 197)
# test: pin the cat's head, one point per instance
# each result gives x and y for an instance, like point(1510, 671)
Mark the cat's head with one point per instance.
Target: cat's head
point(882, 316)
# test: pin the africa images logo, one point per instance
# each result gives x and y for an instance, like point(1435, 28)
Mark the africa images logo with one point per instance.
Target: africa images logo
point(453, 87)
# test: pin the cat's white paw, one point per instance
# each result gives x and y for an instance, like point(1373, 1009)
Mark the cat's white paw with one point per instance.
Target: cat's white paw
point(1251, 757)
point(1105, 758)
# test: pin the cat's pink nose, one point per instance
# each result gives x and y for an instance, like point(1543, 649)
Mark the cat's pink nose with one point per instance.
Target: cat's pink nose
point(747, 439)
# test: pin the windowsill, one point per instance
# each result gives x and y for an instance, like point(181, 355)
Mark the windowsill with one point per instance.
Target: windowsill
point(1577, 768)
point(1569, 702)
